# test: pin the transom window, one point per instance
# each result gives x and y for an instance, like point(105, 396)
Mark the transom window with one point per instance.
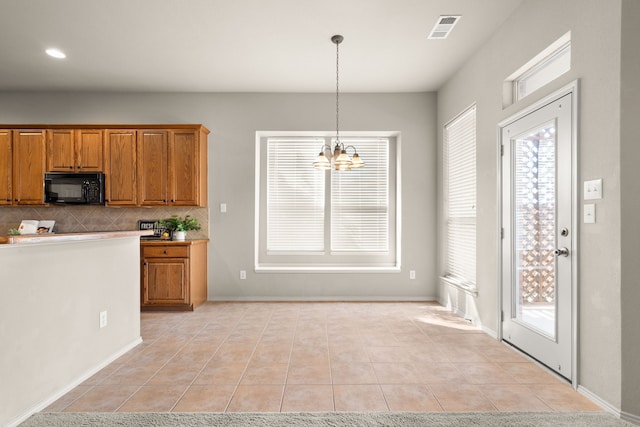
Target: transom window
point(311, 219)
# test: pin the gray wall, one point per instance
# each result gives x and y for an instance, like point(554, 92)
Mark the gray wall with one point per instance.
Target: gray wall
point(630, 205)
point(596, 59)
point(233, 120)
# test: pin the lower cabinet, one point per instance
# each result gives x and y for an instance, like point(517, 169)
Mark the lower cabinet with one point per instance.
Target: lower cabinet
point(173, 275)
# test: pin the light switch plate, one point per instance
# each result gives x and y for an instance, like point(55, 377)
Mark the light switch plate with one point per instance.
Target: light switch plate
point(223, 208)
point(593, 189)
point(590, 213)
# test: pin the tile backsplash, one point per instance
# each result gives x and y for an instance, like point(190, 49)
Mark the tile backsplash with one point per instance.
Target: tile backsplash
point(79, 219)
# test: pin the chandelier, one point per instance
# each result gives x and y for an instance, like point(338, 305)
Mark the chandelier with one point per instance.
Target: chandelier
point(339, 156)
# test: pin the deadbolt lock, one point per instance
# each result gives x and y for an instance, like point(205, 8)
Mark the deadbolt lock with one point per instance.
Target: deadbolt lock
point(564, 232)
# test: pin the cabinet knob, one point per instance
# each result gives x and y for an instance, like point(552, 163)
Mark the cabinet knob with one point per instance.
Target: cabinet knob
point(172, 201)
point(79, 167)
point(70, 167)
point(164, 252)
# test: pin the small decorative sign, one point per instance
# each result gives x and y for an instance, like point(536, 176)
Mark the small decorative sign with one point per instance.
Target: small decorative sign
point(159, 232)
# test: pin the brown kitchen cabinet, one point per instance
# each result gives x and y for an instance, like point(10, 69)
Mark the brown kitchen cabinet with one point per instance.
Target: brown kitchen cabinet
point(6, 167)
point(75, 150)
point(144, 165)
point(29, 161)
point(153, 167)
point(121, 167)
point(173, 275)
point(173, 167)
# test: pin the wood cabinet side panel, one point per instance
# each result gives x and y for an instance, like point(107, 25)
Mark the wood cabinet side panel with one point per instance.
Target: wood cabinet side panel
point(199, 275)
point(203, 146)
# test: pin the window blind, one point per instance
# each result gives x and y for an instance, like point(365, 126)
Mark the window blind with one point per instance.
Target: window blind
point(360, 200)
point(460, 196)
point(295, 196)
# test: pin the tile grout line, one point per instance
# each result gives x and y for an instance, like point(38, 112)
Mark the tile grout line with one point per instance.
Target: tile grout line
point(248, 360)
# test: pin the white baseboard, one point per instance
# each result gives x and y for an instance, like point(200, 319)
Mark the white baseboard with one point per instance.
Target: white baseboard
point(608, 407)
point(630, 417)
point(600, 402)
point(323, 299)
point(48, 401)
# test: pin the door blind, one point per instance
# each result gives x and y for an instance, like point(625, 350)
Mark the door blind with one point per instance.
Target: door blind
point(460, 196)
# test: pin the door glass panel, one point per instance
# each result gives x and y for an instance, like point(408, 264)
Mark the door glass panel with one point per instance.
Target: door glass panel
point(534, 222)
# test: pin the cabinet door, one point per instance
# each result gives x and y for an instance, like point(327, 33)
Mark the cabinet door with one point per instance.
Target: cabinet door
point(165, 281)
point(28, 167)
point(6, 166)
point(183, 168)
point(120, 170)
point(89, 150)
point(152, 173)
point(60, 150)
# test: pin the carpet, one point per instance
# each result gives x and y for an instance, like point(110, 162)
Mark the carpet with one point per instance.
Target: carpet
point(334, 419)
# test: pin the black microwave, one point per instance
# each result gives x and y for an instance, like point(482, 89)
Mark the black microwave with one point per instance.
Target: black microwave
point(74, 188)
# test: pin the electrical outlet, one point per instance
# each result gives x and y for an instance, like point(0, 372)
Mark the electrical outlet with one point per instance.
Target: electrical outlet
point(589, 213)
point(243, 275)
point(412, 275)
point(103, 319)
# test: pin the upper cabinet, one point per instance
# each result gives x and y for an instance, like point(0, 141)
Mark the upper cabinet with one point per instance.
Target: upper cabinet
point(188, 168)
point(153, 170)
point(121, 167)
point(6, 167)
point(79, 150)
point(173, 167)
point(144, 165)
point(28, 166)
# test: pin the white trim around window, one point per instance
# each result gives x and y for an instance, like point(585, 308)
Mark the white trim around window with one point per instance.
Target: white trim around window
point(292, 196)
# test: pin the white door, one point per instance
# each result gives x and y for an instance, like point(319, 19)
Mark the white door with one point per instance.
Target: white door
point(537, 252)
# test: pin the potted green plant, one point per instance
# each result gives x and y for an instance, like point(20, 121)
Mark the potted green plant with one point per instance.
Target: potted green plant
point(180, 225)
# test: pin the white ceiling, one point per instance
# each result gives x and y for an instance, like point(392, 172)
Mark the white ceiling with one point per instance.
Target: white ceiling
point(238, 45)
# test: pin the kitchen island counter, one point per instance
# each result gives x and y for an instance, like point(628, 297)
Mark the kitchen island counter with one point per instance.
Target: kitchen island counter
point(70, 305)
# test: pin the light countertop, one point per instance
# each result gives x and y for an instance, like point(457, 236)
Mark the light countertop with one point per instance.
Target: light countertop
point(71, 237)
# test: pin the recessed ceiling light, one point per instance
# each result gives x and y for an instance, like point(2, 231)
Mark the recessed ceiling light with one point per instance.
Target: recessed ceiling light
point(56, 53)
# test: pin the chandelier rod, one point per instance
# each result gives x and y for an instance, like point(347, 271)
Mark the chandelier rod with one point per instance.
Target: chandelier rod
point(337, 39)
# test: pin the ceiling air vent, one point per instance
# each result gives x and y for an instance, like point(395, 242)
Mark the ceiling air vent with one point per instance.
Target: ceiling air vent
point(443, 26)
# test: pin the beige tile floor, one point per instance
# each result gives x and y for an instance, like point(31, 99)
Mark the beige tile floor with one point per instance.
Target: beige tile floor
point(306, 356)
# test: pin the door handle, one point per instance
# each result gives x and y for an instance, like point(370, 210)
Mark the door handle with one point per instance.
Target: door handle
point(561, 252)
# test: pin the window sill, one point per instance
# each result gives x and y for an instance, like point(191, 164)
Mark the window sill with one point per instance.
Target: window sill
point(466, 287)
point(328, 269)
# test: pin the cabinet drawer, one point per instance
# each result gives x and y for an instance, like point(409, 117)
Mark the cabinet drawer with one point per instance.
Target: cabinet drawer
point(166, 251)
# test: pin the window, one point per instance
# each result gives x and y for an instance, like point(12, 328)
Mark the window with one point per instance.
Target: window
point(315, 220)
point(460, 199)
point(544, 72)
point(545, 67)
